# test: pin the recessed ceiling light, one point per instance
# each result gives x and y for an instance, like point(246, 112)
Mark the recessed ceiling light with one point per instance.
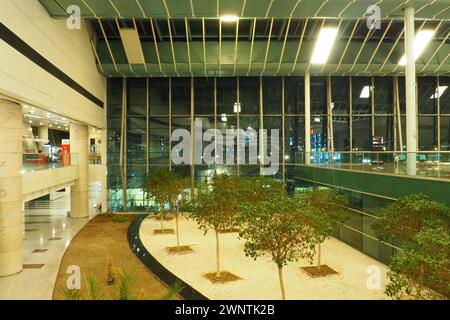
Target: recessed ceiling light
point(229, 18)
point(421, 40)
point(324, 44)
point(439, 92)
point(41, 124)
point(50, 125)
point(59, 127)
point(30, 121)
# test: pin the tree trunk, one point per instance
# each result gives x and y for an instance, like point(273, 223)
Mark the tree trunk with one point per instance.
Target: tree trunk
point(280, 276)
point(319, 256)
point(161, 217)
point(217, 254)
point(178, 234)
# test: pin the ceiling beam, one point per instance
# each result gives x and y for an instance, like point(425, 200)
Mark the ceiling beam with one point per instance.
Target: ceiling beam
point(355, 27)
point(300, 42)
point(379, 44)
point(284, 45)
point(172, 47)
point(267, 47)
point(156, 46)
point(251, 46)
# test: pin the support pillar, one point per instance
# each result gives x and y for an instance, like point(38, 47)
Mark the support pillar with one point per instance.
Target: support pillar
point(43, 135)
point(410, 90)
point(79, 192)
point(307, 119)
point(11, 195)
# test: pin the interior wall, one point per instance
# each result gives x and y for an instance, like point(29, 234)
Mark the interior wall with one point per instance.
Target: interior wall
point(68, 50)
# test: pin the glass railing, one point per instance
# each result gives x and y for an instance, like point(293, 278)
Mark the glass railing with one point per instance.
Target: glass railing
point(36, 161)
point(428, 163)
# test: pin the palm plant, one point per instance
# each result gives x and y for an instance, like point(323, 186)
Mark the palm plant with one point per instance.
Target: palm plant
point(173, 290)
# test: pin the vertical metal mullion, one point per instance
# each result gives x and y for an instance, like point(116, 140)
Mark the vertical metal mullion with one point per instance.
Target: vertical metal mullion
point(147, 97)
point(170, 123)
point(147, 126)
point(238, 125)
point(283, 131)
point(395, 122)
point(438, 82)
point(372, 107)
point(350, 99)
point(192, 138)
point(330, 115)
point(215, 122)
point(261, 125)
point(399, 115)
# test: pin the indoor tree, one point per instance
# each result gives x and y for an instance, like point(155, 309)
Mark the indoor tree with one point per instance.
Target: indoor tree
point(157, 187)
point(326, 211)
point(276, 226)
point(421, 229)
point(178, 198)
point(215, 208)
point(414, 271)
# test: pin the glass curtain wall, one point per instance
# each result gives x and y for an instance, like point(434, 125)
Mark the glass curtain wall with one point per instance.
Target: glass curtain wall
point(344, 118)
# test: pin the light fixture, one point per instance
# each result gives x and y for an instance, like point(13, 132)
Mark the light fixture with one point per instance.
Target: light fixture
point(421, 40)
point(439, 92)
point(50, 125)
point(59, 127)
point(365, 92)
point(223, 117)
point(237, 107)
point(229, 18)
point(323, 46)
point(30, 121)
point(41, 124)
point(317, 120)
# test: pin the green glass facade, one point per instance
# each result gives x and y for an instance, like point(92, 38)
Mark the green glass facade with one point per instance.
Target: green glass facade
point(361, 107)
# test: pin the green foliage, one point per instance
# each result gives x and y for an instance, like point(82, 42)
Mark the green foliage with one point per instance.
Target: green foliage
point(216, 206)
point(422, 267)
point(158, 188)
point(414, 271)
point(276, 226)
point(257, 189)
point(127, 282)
point(407, 216)
point(70, 294)
point(119, 219)
point(326, 210)
point(95, 291)
point(173, 290)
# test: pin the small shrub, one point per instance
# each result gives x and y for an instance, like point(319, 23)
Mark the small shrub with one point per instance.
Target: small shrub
point(119, 219)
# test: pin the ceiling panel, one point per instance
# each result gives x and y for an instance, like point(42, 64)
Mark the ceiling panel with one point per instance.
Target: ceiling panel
point(426, 9)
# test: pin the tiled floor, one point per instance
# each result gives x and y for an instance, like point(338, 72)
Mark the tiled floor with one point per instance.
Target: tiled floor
point(48, 232)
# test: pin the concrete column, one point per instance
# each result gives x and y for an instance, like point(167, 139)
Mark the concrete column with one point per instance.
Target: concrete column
point(410, 89)
point(307, 119)
point(79, 192)
point(43, 135)
point(11, 197)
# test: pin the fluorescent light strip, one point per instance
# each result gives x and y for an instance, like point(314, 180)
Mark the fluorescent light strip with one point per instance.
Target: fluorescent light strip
point(324, 44)
point(421, 40)
point(229, 18)
point(439, 92)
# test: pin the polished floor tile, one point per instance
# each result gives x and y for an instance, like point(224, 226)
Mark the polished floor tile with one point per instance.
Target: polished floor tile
point(45, 220)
